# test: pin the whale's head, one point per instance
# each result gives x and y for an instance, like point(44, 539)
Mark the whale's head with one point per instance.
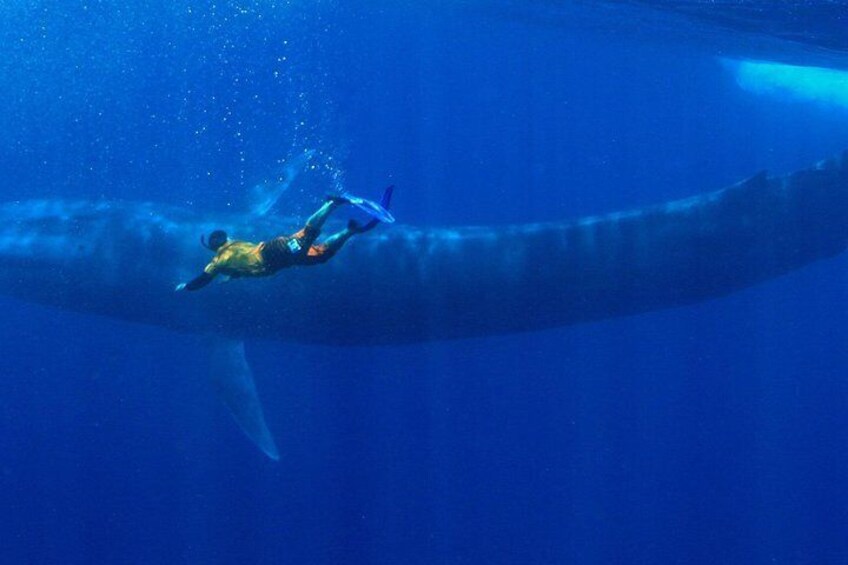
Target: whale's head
point(50, 234)
point(55, 248)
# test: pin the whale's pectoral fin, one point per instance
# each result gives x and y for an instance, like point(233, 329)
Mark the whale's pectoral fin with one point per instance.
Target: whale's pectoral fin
point(233, 381)
point(264, 196)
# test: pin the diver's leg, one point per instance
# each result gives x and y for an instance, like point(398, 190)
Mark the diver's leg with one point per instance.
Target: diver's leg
point(324, 251)
point(316, 220)
point(303, 239)
point(337, 240)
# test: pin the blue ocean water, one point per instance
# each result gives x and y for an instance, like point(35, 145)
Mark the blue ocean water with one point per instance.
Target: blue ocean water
point(707, 434)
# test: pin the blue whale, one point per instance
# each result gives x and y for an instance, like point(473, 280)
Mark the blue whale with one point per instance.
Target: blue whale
point(407, 284)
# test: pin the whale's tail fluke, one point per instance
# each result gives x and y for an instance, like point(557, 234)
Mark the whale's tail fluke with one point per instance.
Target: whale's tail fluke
point(233, 381)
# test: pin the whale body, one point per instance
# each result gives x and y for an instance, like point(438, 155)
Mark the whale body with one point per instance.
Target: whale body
point(402, 284)
point(405, 284)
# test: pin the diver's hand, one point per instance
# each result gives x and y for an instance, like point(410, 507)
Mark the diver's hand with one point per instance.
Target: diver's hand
point(180, 287)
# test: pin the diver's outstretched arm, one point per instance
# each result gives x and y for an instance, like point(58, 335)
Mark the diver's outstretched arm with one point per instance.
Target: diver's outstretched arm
point(196, 283)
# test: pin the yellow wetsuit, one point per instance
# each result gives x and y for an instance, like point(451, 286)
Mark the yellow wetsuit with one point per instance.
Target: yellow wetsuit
point(239, 259)
point(247, 259)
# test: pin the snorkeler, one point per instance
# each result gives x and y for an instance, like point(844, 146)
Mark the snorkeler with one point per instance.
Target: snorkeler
point(235, 258)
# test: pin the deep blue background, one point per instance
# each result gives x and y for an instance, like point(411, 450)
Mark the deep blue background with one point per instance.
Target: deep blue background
point(713, 434)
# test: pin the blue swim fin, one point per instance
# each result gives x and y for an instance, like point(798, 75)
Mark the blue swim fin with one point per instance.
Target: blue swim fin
point(377, 211)
point(386, 200)
point(385, 203)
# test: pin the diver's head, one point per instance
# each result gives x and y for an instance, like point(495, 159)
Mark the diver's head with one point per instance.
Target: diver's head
point(216, 239)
